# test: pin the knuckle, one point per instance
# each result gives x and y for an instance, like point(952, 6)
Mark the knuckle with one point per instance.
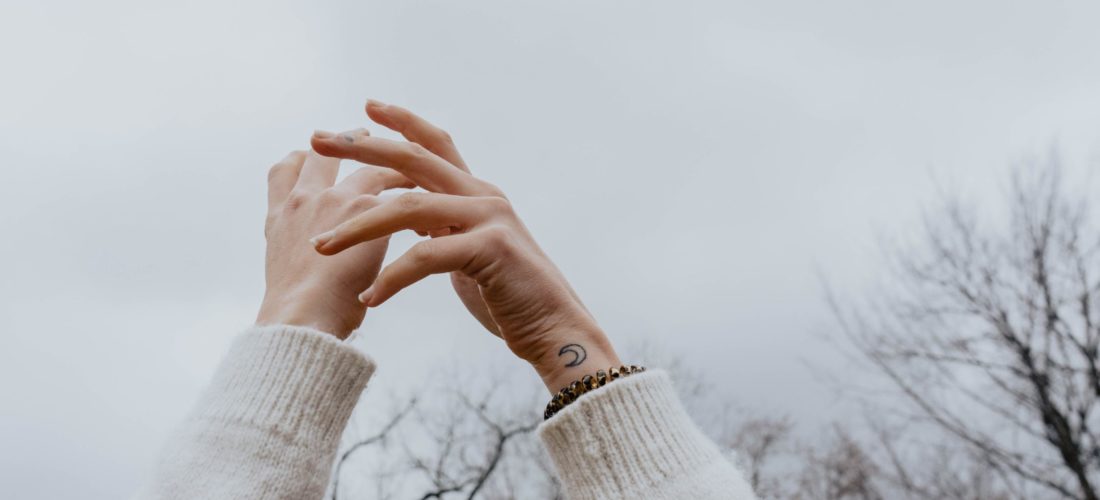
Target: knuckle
point(491, 189)
point(416, 151)
point(422, 253)
point(444, 137)
point(297, 199)
point(498, 205)
point(363, 202)
point(497, 236)
point(330, 197)
point(409, 202)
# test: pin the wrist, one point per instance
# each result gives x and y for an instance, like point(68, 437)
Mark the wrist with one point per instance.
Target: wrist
point(295, 310)
point(570, 355)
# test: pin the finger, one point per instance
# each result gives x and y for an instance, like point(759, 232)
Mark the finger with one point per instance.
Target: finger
point(417, 211)
point(434, 256)
point(416, 129)
point(282, 177)
point(318, 172)
point(374, 180)
point(421, 166)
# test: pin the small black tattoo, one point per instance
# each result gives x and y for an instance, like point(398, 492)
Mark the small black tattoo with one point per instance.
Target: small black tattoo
point(577, 351)
point(347, 138)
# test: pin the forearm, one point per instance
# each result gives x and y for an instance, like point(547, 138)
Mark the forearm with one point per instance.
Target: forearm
point(633, 439)
point(270, 421)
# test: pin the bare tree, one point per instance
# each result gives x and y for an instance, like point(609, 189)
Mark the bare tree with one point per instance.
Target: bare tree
point(840, 470)
point(364, 442)
point(990, 331)
point(457, 439)
point(452, 470)
point(759, 441)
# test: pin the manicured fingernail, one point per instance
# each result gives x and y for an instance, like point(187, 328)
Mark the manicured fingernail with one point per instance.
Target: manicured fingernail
point(320, 240)
point(323, 134)
point(376, 104)
point(366, 295)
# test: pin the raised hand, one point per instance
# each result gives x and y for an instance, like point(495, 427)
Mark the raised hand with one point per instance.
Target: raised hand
point(504, 278)
point(303, 288)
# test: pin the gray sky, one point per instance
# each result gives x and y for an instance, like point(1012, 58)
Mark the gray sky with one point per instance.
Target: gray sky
point(691, 166)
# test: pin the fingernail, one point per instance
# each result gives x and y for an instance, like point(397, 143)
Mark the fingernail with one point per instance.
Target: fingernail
point(366, 295)
point(377, 104)
point(323, 134)
point(320, 240)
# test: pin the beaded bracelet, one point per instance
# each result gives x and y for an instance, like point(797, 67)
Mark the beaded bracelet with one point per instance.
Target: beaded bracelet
point(574, 390)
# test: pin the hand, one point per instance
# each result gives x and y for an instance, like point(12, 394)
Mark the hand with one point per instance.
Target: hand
point(505, 279)
point(303, 288)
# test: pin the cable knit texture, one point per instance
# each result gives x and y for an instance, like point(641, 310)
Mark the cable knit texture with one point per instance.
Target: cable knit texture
point(269, 423)
point(632, 439)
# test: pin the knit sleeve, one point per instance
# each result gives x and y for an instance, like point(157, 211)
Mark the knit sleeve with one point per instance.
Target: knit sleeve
point(270, 421)
point(633, 439)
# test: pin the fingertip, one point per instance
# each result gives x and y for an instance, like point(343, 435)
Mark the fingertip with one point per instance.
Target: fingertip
point(327, 244)
point(367, 296)
point(371, 298)
point(294, 156)
point(327, 249)
point(324, 147)
point(326, 142)
point(320, 240)
point(380, 113)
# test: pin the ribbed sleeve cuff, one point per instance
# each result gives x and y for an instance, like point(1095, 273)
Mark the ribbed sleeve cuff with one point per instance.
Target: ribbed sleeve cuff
point(625, 439)
point(298, 382)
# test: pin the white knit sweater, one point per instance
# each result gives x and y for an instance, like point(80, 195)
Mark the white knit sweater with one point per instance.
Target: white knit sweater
point(269, 424)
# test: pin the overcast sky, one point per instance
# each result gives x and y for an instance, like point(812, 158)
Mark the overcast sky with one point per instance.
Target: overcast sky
point(693, 167)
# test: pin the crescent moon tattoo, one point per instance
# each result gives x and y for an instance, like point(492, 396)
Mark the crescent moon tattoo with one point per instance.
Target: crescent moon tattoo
point(577, 351)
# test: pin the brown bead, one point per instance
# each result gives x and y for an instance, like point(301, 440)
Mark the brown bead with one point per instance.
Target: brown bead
point(587, 383)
